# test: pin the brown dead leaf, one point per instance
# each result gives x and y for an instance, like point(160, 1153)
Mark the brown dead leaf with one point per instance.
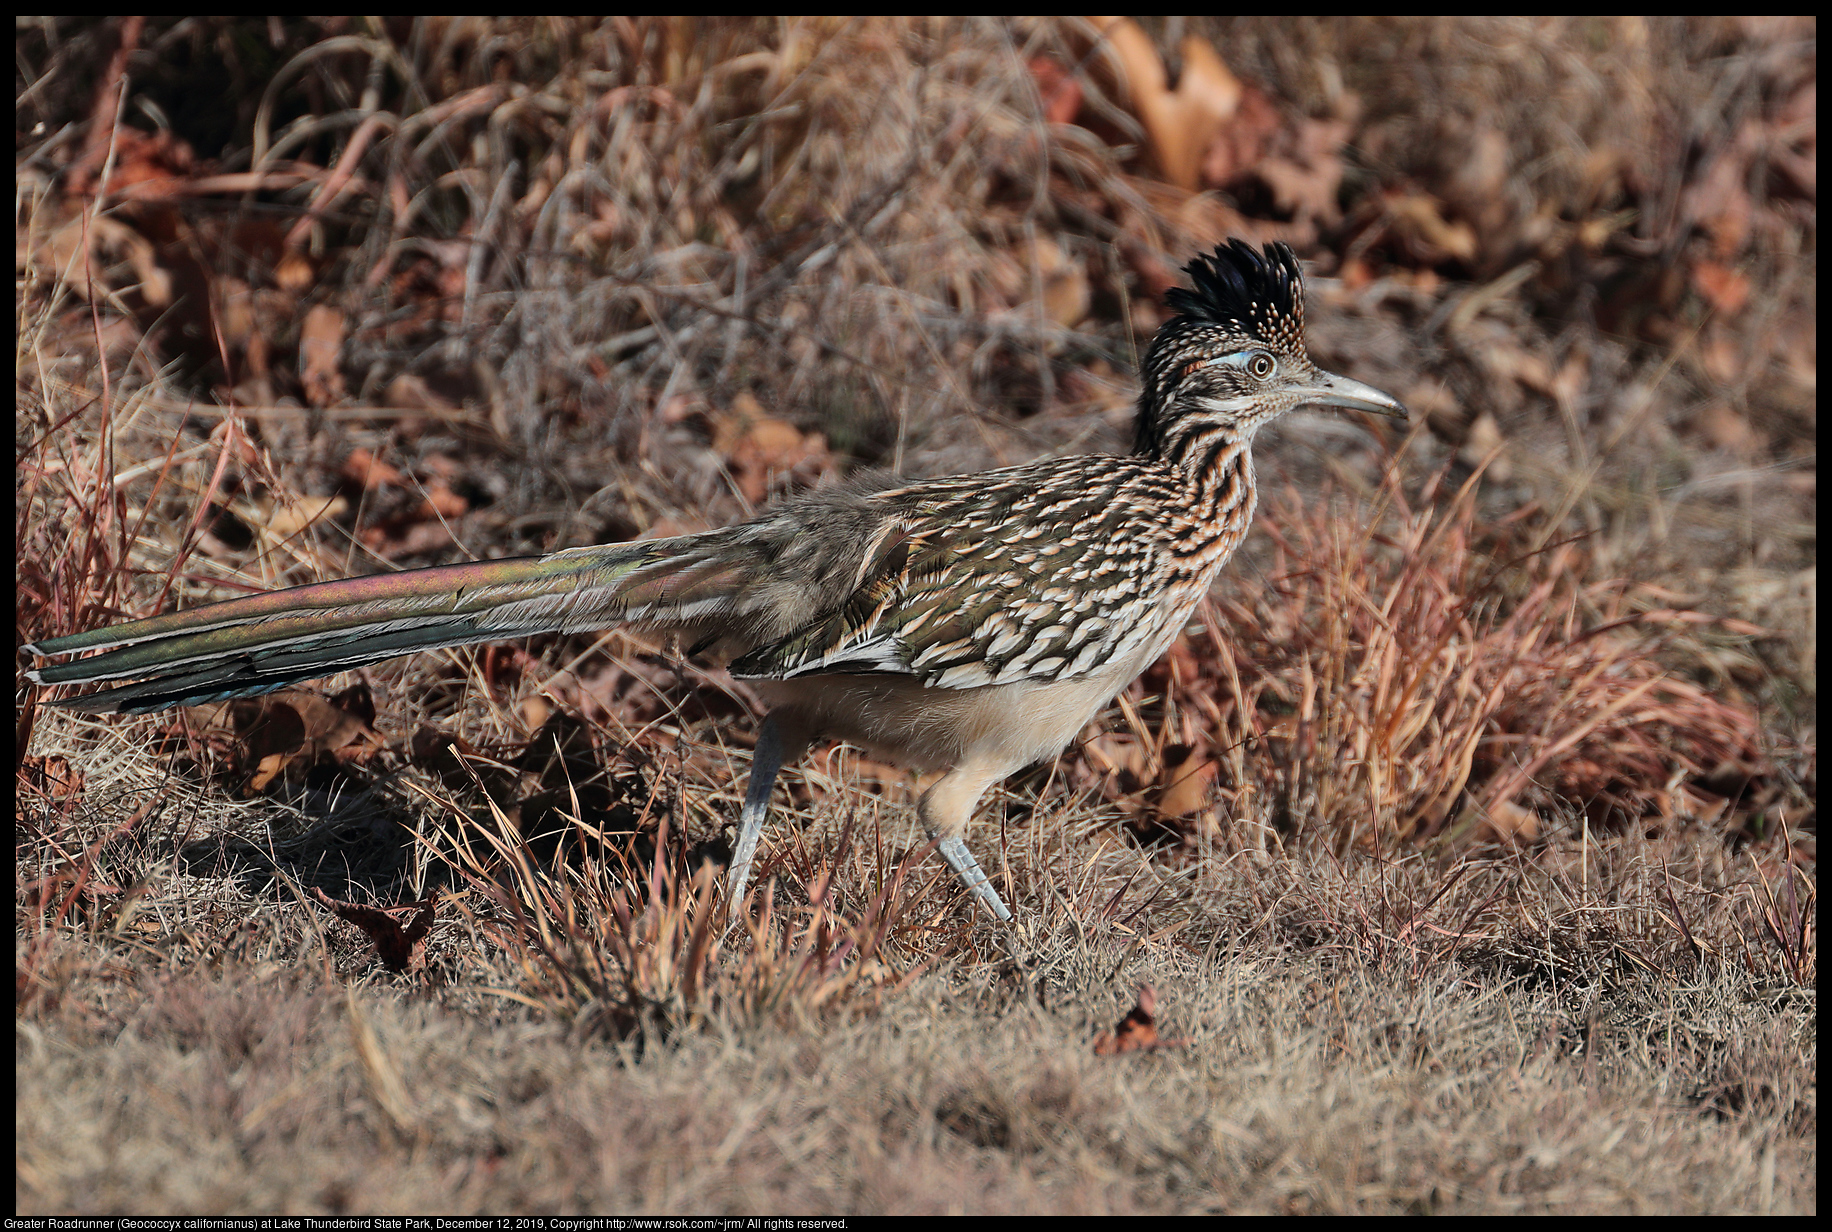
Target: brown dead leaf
point(146, 166)
point(84, 246)
point(1417, 221)
point(1484, 441)
point(296, 724)
point(759, 448)
point(1725, 289)
point(1355, 274)
point(1138, 1030)
point(52, 777)
point(321, 339)
point(446, 755)
point(1067, 294)
point(1180, 124)
point(399, 933)
point(356, 702)
point(1116, 753)
point(417, 529)
point(272, 731)
point(1297, 161)
point(1717, 200)
point(293, 272)
point(1185, 781)
point(236, 318)
point(441, 502)
point(1307, 193)
point(405, 537)
point(294, 514)
point(1724, 428)
point(768, 448)
point(1242, 143)
point(368, 472)
point(1057, 88)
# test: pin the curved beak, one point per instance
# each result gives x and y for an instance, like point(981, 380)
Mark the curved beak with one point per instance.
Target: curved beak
point(1328, 389)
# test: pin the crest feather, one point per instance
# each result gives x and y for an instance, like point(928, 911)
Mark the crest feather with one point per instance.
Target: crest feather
point(1258, 293)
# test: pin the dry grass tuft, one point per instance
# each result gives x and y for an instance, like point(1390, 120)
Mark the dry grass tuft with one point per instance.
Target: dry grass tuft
point(1433, 677)
point(623, 946)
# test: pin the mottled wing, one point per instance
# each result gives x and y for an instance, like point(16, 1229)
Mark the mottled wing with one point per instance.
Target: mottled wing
point(1034, 573)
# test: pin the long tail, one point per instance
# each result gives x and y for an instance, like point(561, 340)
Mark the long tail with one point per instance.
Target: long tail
point(263, 642)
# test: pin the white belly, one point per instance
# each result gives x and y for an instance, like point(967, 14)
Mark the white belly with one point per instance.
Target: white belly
point(1002, 726)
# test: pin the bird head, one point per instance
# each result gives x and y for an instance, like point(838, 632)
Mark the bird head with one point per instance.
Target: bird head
point(1233, 357)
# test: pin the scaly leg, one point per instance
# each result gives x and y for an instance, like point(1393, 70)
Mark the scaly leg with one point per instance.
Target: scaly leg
point(954, 851)
point(945, 810)
point(779, 740)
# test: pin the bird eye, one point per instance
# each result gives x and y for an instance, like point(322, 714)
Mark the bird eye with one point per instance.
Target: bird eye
point(1260, 366)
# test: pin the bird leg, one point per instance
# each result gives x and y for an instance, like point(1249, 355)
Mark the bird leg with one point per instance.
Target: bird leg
point(945, 810)
point(779, 740)
point(954, 851)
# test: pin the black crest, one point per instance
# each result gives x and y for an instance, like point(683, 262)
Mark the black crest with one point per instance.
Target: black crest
point(1258, 294)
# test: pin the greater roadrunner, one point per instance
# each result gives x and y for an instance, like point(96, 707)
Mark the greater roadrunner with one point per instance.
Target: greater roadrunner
point(971, 625)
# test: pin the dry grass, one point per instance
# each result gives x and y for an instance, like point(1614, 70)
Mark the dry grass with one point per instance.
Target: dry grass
point(1526, 1074)
point(1469, 845)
